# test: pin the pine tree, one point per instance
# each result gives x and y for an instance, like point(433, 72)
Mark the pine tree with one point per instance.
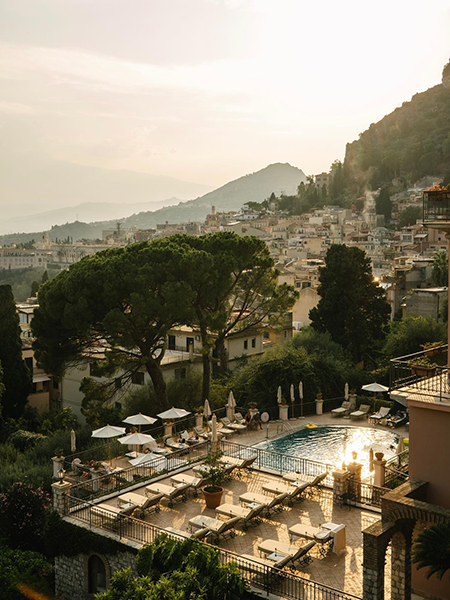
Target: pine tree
point(16, 376)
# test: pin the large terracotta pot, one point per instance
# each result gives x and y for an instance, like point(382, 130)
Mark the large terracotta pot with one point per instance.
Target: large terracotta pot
point(213, 499)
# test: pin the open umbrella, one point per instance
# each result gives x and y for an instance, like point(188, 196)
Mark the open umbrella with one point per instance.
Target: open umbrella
point(375, 388)
point(137, 439)
point(140, 420)
point(108, 432)
point(156, 461)
point(173, 413)
point(279, 394)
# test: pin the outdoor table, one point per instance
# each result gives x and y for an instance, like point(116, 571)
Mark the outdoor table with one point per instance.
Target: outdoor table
point(275, 556)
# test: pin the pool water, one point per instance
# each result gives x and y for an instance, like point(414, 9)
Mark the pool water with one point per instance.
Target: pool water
point(334, 444)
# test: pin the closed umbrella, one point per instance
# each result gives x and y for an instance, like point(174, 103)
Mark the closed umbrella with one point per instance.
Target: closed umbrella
point(300, 393)
point(207, 409)
point(139, 420)
point(214, 435)
point(231, 405)
point(346, 391)
point(73, 441)
point(292, 392)
point(400, 445)
point(371, 460)
point(279, 394)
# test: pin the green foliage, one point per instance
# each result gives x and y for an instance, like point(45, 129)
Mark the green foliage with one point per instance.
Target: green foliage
point(258, 380)
point(23, 512)
point(384, 204)
point(24, 440)
point(16, 376)
point(432, 549)
point(409, 336)
point(352, 307)
point(410, 142)
point(440, 268)
point(66, 539)
point(409, 216)
point(25, 574)
point(96, 404)
point(34, 288)
point(215, 474)
point(21, 280)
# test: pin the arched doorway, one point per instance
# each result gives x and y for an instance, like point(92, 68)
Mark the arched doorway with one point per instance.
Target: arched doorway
point(96, 575)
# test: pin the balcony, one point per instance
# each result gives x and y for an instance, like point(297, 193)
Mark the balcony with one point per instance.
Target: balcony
point(436, 209)
point(412, 377)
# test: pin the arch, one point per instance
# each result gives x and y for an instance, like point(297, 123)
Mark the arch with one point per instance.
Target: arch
point(97, 574)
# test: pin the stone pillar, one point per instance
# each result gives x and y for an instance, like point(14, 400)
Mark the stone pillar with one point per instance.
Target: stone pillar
point(401, 568)
point(352, 399)
point(354, 470)
point(199, 420)
point(58, 464)
point(60, 493)
point(95, 475)
point(319, 406)
point(340, 485)
point(283, 410)
point(168, 429)
point(373, 568)
point(379, 467)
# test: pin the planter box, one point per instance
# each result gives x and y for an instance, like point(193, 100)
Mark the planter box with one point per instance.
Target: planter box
point(423, 371)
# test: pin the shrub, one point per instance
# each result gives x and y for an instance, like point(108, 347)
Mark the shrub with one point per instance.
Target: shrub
point(23, 512)
point(24, 440)
point(22, 573)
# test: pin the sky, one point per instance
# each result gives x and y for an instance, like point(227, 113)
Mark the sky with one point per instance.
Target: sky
point(208, 90)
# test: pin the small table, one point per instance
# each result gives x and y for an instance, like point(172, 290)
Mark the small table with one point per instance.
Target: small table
point(201, 521)
point(276, 556)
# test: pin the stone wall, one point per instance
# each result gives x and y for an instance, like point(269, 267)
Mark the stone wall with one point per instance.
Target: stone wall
point(71, 573)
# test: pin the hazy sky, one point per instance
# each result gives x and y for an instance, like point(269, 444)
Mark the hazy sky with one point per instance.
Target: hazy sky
point(208, 90)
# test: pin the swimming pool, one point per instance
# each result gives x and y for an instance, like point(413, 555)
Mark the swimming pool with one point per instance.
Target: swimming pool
point(334, 444)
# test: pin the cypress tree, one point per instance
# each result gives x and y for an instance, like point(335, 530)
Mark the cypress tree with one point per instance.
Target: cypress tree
point(16, 376)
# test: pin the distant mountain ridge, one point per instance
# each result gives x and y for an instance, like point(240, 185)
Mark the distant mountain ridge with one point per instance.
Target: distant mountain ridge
point(278, 178)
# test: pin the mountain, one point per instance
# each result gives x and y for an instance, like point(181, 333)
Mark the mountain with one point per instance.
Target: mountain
point(40, 186)
point(86, 212)
point(411, 142)
point(278, 178)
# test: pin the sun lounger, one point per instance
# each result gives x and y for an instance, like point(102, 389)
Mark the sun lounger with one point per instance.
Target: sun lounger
point(178, 492)
point(362, 412)
point(194, 482)
point(297, 554)
point(201, 432)
point(342, 410)
point(217, 528)
point(144, 503)
point(235, 426)
point(380, 415)
point(238, 418)
point(221, 430)
point(154, 447)
point(271, 504)
point(264, 567)
point(398, 419)
point(293, 491)
point(199, 534)
point(247, 515)
point(171, 443)
point(105, 515)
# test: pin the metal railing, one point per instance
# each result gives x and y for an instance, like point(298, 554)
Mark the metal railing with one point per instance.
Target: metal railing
point(426, 377)
point(269, 579)
point(365, 493)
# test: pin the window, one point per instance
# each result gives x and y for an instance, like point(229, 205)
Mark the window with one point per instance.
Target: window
point(245, 344)
point(189, 341)
point(137, 378)
point(96, 575)
point(266, 335)
point(171, 342)
point(180, 373)
point(253, 342)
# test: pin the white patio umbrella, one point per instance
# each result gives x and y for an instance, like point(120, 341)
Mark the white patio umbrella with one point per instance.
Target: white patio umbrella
point(279, 394)
point(108, 432)
point(207, 409)
point(136, 439)
point(346, 391)
point(73, 441)
point(371, 460)
point(214, 435)
point(156, 461)
point(231, 405)
point(173, 413)
point(139, 420)
point(292, 394)
point(375, 388)
point(400, 445)
point(300, 393)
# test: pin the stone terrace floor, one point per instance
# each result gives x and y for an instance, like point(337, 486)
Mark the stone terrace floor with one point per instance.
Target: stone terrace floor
point(343, 572)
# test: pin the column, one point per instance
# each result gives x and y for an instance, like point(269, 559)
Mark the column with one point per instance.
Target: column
point(401, 568)
point(340, 485)
point(58, 464)
point(379, 468)
point(60, 493)
point(283, 411)
point(354, 470)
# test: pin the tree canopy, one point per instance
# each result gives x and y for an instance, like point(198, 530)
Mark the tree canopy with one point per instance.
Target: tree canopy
point(352, 307)
point(440, 268)
point(409, 336)
point(16, 376)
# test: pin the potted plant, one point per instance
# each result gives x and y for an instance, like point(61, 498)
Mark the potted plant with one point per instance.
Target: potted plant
point(59, 452)
point(319, 404)
point(431, 348)
point(252, 408)
point(423, 367)
point(215, 475)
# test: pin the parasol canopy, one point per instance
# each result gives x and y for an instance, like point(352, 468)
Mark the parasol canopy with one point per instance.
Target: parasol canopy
point(136, 439)
point(173, 413)
point(150, 460)
point(207, 412)
point(73, 441)
point(292, 393)
point(375, 387)
point(140, 419)
point(231, 400)
point(108, 431)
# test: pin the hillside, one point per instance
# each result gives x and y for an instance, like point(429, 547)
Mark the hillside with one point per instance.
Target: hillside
point(411, 142)
point(256, 187)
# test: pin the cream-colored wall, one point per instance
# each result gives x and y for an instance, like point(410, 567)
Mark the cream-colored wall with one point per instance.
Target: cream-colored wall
point(235, 345)
point(307, 300)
